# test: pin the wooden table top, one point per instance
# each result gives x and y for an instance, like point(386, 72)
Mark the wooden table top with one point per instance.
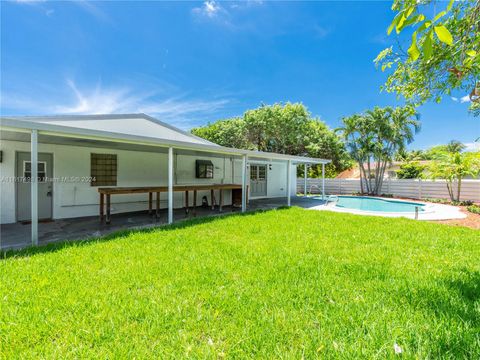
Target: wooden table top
point(148, 189)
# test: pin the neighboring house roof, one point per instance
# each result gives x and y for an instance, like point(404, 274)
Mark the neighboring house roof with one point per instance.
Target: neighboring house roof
point(354, 172)
point(140, 129)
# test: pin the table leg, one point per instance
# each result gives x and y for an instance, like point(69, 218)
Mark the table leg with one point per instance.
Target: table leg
point(102, 205)
point(220, 204)
point(107, 220)
point(195, 202)
point(150, 197)
point(157, 208)
point(212, 197)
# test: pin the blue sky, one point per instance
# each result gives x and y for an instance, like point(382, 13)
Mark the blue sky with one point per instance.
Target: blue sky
point(189, 63)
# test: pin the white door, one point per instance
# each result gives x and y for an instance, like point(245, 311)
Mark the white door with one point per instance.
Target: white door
point(258, 180)
point(45, 171)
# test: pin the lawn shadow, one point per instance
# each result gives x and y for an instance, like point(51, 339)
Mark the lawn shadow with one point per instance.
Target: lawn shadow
point(61, 245)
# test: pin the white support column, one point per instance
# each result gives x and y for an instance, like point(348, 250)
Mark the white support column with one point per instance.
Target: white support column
point(34, 185)
point(289, 185)
point(305, 180)
point(323, 181)
point(244, 183)
point(170, 185)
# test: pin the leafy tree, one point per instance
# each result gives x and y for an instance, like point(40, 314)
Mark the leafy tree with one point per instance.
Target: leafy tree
point(375, 137)
point(453, 167)
point(283, 128)
point(229, 132)
point(411, 170)
point(443, 54)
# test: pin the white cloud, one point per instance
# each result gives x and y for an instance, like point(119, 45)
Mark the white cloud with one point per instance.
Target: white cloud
point(320, 31)
point(93, 10)
point(182, 110)
point(209, 8)
point(29, 1)
point(472, 146)
point(462, 100)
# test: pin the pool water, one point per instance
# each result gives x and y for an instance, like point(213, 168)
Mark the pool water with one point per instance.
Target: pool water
point(365, 203)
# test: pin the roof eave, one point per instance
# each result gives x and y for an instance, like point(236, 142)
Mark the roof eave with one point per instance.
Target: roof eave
point(67, 131)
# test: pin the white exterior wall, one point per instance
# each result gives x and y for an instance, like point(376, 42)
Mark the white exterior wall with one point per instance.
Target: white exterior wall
point(76, 199)
point(276, 177)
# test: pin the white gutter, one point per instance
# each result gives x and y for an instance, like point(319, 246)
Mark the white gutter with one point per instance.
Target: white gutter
point(73, 132)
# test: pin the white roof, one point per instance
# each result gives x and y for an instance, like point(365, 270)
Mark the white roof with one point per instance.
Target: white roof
point(132, 124)
point(139, 129)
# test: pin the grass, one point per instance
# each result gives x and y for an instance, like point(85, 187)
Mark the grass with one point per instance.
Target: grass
point(288, 283)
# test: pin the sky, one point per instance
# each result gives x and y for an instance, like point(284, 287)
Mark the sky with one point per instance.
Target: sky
point(190, 63)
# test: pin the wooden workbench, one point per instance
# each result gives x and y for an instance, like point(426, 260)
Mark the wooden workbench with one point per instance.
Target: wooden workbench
point(106, 193)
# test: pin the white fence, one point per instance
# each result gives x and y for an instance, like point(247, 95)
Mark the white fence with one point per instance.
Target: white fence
point(409, 188)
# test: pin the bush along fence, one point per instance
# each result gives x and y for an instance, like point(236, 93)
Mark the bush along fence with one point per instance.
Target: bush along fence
point(408, 188)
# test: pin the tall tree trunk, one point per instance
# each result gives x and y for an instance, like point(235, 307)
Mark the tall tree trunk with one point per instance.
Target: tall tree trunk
point(459, 186)
point(361, 178)
point(365, 177)
point(377, 173)
point(449, 188)
point(382, 174)
point(369, 176)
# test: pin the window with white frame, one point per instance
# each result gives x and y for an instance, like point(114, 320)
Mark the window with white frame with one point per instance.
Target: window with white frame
point(41, 170)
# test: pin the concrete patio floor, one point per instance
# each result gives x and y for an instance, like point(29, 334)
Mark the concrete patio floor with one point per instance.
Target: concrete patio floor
point(17, 235)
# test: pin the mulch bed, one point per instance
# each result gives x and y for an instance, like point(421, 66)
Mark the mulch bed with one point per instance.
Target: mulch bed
point(471, 221)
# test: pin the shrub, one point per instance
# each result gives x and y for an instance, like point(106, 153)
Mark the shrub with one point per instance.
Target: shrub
point(475, 209)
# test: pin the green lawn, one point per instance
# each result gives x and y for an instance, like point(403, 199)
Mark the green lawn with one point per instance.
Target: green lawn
point(287, 283)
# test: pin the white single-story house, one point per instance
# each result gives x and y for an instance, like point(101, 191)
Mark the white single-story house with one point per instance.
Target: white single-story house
point(69, 158)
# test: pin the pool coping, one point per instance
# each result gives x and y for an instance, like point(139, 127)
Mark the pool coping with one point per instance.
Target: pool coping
point(432, 211)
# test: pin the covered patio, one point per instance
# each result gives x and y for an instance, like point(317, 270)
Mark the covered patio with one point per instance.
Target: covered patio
point(17, 235)
point(73, 204)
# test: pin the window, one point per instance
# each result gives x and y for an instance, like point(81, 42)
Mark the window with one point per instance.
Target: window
point(204, 169)
point(103, 169)
point(41, 170)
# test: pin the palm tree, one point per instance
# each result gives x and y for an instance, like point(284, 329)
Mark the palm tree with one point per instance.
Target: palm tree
point(455, 146)
point(357, 134)
point(453, 167)
point(375, 137)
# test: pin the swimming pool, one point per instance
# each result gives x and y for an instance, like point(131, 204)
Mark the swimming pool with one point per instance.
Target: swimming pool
point(366, 203)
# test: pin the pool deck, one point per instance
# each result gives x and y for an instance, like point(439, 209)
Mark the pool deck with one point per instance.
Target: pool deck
point(432, 211)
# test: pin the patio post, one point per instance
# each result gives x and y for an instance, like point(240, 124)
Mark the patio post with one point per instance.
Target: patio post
point(170, 185)
point(34, 185)
point(244, 183)
point(323, 181)
point(305, 180)
point(289, 175)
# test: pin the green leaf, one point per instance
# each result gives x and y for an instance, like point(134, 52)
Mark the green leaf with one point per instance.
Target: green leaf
point(424, 26)
point(443, 34)
point(400, 22)
point(413, 20)
point(439, 15)
point(471, 53)
point(394, 22)
point(413, 51)
point(427, 46)
point(450, 4)
point(390, 28)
